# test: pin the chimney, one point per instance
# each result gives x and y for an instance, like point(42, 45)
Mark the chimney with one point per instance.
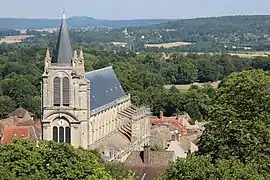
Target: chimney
point(161, 116)
point(177, 117)
point(177, 137)
point(146, 149)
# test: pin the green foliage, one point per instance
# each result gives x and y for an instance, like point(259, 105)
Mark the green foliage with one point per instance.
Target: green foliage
point(142, 75)
point(5, 174)
point(118, 171)
point(235, 143)
point(155, 147)
point(27, 159)
point(239, 126)
point(7, 105)
point(186, 73)
point(212, 34)
point(203, 168)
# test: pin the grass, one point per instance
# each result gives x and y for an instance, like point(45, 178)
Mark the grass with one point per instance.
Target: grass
point(243, 54)
point(185, 87)
point(168, 45)
point(118, 43)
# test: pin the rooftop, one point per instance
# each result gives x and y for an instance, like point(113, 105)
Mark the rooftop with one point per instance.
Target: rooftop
point(105, 87)
point(158, 163)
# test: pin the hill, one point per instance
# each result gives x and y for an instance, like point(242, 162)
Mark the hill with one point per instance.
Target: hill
point(212, 33)
point(75, 22)
point(230, 34)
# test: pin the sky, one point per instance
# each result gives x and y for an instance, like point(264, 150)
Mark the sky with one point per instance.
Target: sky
point(132, 9)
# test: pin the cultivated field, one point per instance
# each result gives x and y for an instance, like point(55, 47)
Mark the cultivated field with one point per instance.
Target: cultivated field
point(185, 87)
point(14, 39)
point(169, 45)
point(119, 43)
point(249, 54)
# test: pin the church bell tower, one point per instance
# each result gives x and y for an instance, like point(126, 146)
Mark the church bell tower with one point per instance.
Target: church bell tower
point(66, 93)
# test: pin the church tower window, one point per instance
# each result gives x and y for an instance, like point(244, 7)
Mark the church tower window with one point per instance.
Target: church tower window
point(62, 131)
point(61, 134)
point(56, 91)
point(55, 134)
point(67, 135)
point(66, 93)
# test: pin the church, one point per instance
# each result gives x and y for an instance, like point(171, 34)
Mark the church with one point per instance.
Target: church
point(89, 109)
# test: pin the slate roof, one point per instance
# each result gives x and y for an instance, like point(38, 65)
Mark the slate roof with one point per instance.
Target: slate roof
point(157, 158)
point(19, 112)
point(159, 162)
point(63, 52)
point(105, 87)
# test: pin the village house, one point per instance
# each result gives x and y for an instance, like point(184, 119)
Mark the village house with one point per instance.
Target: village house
point(20, 124)
point(147, 164)
point(175, 133)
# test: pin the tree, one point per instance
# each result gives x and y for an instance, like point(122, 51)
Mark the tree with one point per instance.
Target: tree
point(5, 174)
point(118, 171)
point(28, 159)
point(187, 73)
point(239, 122)
point(21, 90)
point(7, 105)
point(156, 147)
point(203, 168)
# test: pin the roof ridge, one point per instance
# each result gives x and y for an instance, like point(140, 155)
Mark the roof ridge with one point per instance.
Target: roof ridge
point(108, 67)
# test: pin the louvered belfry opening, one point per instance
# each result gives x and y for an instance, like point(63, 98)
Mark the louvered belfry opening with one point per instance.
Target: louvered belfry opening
point(65, 95)
point(56, 91)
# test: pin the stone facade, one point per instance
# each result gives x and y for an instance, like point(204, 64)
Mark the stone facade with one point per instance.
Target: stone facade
point(67, 115)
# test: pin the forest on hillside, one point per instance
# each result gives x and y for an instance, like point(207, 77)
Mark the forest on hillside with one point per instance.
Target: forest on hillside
point(143, 76)
point(214, 34)
point(234, 144)
point(75, 22)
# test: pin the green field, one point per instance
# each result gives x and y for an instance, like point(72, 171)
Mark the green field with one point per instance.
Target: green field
point(185, 87)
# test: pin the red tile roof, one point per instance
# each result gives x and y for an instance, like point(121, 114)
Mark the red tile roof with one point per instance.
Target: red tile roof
point(170, 121)
point(11, 133)
point(20, 124)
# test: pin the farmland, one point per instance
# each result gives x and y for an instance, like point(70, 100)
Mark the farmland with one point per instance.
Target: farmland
point(185, 87)
point(169, 45)
point(14, 39)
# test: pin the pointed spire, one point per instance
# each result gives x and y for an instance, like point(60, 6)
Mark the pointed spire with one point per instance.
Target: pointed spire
point(75, 55)
point(81, 54)
point(48, 56)
point(64, 14)
point(63, 51)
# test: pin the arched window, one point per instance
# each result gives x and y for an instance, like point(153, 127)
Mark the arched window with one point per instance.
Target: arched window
point(65, 94)
point(61, 134)
point(61, 131)
point(67, 135)
point(56, 91)
point(55, 134)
